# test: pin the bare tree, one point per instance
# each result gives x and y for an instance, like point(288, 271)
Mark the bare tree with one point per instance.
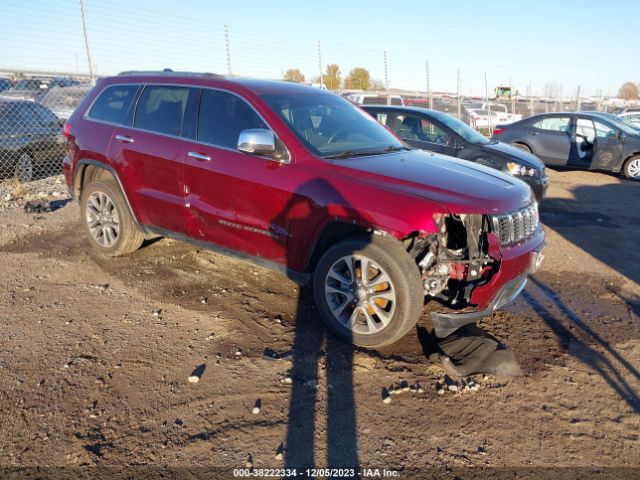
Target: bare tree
point(629, 91)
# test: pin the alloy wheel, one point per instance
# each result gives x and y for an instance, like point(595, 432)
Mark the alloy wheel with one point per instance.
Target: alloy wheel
point(102, 219)
point(634, 168)
point(360, 294)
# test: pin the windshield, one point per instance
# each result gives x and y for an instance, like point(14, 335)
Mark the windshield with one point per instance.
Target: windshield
point(331, 126)
point(622, 126)
point(29, 84)
point(462, 129)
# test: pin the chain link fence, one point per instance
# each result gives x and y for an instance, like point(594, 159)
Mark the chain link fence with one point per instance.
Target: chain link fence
point(35, 105)
point(33, 109)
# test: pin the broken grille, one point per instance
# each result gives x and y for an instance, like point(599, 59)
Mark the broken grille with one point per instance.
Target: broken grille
point(516, 226)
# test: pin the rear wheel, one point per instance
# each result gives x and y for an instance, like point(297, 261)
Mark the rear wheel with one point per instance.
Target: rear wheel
point(632, 168)
point(24, 168)
point(107, 221)
point(368, 291)
point(522, 147)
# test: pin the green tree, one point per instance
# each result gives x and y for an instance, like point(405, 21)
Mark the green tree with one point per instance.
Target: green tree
point(629, 91)
point(332, 77)
point(358, 78)
point(294, 75)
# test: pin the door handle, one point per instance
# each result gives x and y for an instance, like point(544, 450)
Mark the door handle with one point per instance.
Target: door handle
point(199, 156)
point(124, 138)
point(535, 133)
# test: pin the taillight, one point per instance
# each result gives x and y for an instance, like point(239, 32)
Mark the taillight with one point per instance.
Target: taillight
point(66, 130)
point(498, 130)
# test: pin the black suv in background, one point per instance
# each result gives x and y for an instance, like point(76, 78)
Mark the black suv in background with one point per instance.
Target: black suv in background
point(31, 139)
point(439, 132)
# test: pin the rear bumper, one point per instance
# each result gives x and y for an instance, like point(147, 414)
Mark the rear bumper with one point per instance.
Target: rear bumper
point(505, 285)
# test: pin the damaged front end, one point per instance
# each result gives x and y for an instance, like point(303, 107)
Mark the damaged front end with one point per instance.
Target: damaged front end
point(461, 264)
point(457, 259)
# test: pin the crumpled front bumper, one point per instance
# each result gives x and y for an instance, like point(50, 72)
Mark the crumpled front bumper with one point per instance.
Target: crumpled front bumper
point(506, 284)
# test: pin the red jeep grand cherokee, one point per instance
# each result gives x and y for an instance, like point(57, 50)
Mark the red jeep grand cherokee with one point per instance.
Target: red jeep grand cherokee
point(304, 181)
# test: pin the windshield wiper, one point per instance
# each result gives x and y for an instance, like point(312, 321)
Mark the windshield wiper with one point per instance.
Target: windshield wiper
point(351, 153)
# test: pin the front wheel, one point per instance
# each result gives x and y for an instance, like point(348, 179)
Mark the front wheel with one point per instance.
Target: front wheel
point(368, 291)
point(632, 168)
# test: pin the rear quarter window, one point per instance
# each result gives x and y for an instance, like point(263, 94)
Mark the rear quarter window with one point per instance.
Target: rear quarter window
point(113, 103)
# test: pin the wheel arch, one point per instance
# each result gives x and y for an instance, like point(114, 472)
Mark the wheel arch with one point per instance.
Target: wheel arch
point(89, 170)
point(338, 230)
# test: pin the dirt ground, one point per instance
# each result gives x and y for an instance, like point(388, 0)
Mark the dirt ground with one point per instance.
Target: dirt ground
point(95, 354)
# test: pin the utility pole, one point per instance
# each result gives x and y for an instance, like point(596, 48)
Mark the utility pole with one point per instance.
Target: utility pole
point(429, 86)
point(486, 95)
point(578, 98)
point(227, 43)
point(77, 63)
point(512, 97)
point(531, 109)
point(560, 97)
point(86, 41)
point(386, 75)
point(320, 64)
point(458, 94)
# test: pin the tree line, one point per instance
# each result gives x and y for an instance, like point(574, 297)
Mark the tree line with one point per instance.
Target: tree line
point(358, 78)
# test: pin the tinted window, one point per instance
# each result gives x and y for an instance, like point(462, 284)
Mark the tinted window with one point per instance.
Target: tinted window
point(223, 116)
point(604, 131)
point(112, 104)
point(555, 124)
point(410, 127)
point(161, 109)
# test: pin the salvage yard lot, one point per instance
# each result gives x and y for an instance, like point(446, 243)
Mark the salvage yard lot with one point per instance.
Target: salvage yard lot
point(96, 352)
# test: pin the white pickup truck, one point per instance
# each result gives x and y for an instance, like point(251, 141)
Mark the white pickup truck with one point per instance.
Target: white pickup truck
point(484, 115)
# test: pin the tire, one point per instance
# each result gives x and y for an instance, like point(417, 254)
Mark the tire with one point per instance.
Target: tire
point(522, 147)
point(106, 219)
point(24, 168)
point(632, 168)
point(390, 317)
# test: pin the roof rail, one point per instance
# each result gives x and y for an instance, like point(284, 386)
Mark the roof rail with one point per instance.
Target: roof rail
point(168, 72)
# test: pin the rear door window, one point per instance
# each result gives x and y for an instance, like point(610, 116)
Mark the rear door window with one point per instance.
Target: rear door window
point(113, 103)
point(223, 116)
point(161, 109)
point(554, 124)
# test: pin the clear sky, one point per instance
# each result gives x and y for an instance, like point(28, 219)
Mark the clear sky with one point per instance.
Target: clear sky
point(570, 42)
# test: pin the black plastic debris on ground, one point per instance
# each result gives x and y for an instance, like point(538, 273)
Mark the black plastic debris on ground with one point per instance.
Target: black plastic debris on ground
point(42, 206)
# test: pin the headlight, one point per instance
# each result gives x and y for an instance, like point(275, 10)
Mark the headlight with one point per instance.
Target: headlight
point(518, 170)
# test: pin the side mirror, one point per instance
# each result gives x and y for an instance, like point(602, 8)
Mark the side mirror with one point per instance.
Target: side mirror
point(257, 141)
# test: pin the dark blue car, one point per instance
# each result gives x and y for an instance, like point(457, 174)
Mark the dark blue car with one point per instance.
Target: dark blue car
point(583, 140)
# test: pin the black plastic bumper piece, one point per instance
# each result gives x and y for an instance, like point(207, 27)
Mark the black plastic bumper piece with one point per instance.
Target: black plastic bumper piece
point(444, 324)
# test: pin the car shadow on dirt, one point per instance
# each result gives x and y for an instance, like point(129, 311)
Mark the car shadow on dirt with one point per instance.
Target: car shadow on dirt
point(580, 345)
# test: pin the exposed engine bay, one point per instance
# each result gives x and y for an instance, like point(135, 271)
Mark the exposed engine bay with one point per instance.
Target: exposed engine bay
point(455, 260)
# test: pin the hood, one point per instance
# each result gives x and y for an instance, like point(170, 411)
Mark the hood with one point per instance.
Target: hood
point(458, 185)
point(509, 152)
